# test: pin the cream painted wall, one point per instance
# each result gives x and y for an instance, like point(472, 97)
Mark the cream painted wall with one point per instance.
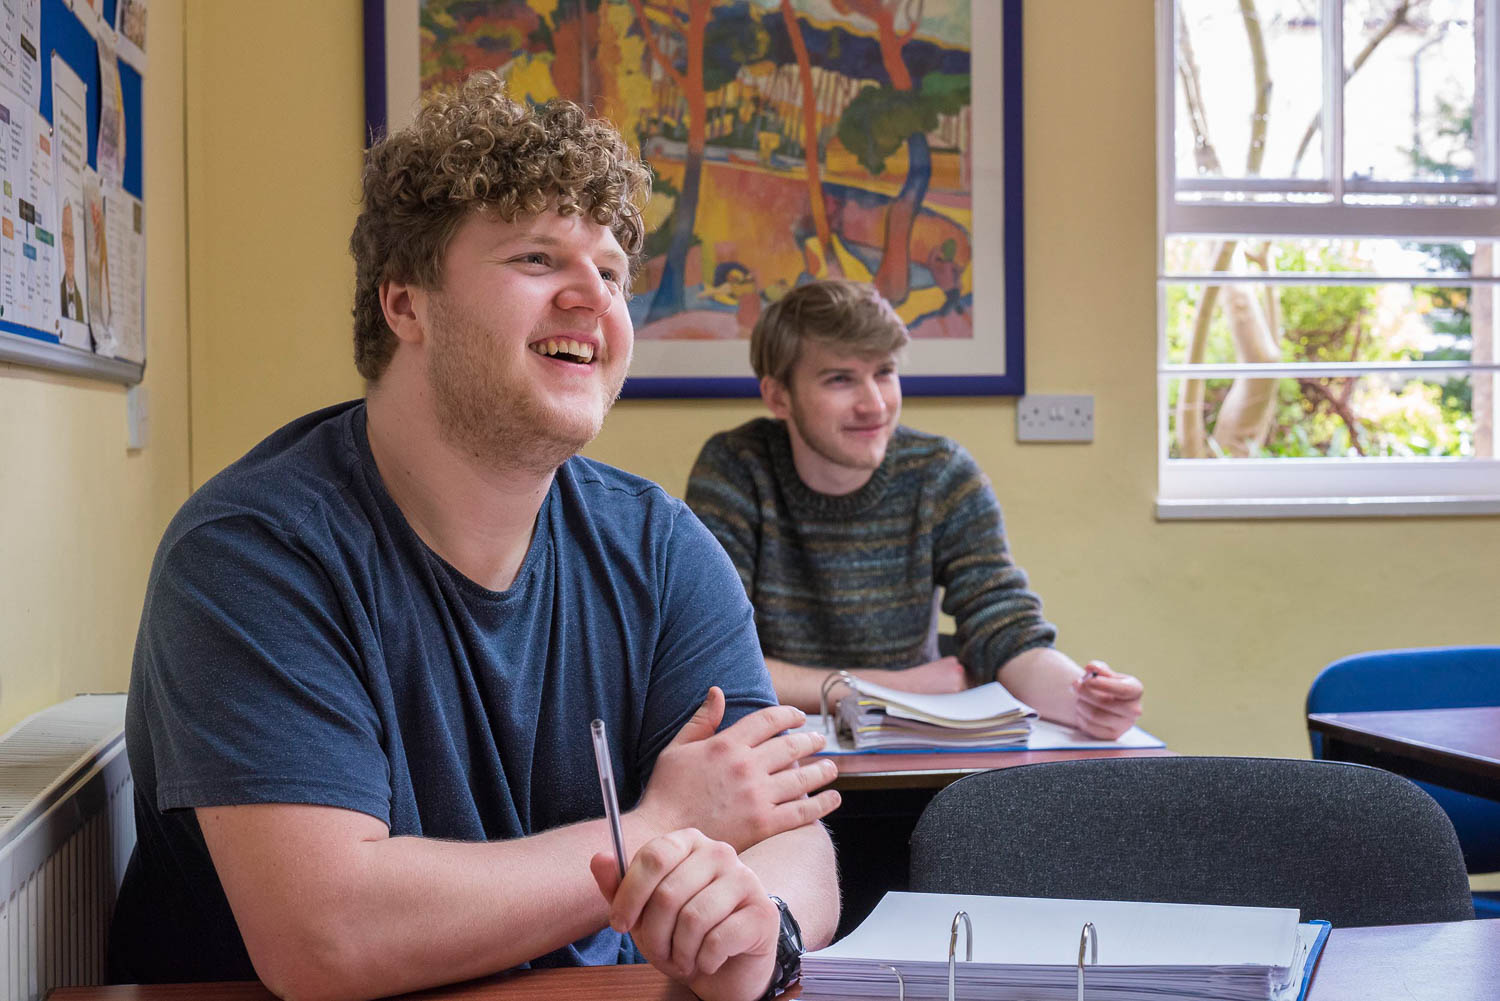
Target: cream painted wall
point(275, 114)
point(1227, 621)
point(79, 515)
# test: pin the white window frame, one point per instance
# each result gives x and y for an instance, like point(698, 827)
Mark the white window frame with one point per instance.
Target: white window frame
point(1318, 487)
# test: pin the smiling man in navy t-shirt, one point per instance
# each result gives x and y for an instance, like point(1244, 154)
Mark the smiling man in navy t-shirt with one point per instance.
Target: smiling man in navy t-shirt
point(371, 649)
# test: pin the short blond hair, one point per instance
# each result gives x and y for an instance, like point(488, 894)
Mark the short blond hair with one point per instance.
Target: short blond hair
point(474, 149)
point(835, 312)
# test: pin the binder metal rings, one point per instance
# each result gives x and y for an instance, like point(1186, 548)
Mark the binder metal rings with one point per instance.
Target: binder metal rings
point(1088, 946)
point(900, 981)
point(834, 678)
point(1087, 940)
point(953, 948)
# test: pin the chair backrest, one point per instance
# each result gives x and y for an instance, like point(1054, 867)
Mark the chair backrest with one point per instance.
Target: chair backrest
point(1426, 678)
point(1345, 843)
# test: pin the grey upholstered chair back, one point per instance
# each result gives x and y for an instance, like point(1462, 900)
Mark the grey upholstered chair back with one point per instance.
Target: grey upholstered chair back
point(1345, 843)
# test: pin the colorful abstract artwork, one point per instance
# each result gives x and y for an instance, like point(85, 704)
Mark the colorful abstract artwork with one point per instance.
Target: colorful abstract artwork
point(789, 140)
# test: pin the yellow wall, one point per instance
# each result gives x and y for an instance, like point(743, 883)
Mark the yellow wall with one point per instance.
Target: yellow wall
point(1227, 621)
point(275, 118)
point(79, 515)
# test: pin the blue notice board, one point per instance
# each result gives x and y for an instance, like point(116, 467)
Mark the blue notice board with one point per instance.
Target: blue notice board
point(68, 31)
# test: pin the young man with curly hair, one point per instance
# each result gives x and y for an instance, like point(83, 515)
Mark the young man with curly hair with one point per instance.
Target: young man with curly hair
point(845, 527)
point(371, 648)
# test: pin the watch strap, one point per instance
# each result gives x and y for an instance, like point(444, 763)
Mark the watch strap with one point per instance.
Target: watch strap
point(788, 951)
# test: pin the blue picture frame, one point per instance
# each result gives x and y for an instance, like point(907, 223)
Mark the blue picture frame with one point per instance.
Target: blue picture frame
point(995, 367)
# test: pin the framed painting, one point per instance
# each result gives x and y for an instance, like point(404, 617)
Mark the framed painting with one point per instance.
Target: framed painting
point(789, 140)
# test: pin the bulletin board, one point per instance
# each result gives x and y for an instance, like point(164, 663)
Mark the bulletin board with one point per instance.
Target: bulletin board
point(72, 210)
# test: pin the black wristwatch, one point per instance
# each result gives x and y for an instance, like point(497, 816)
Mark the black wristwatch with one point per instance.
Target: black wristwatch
point(788, 952)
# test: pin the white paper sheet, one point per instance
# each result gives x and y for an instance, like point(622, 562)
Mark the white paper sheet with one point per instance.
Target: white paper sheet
point(89, 15)
point(20, 62)
point(96, 253)
point(125, 226)
point(70, 161)
point(978, 703)
point(1045, 931)
point(39, 252)
point(1028, 947)
point(14, 178)
point(110, 153)
point(130, 32)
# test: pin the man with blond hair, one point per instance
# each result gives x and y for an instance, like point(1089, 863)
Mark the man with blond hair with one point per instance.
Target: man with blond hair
point(371, 649)
point(847, 528)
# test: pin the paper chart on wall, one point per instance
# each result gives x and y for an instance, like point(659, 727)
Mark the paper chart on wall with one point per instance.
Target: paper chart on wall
point(70, 161)
point(110, 154)
point(13, 180)
point(20, 65)
point(96, 252)
point(10, 44)
point(38, 254)
point(130, 31)
point(124, 224)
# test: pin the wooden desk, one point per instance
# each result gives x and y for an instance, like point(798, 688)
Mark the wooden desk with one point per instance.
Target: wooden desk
point(1458, 961)
point(934, 771)
point(1457, 748)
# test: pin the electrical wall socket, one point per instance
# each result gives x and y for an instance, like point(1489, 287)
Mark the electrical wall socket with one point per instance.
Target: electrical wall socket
point(1055, 418)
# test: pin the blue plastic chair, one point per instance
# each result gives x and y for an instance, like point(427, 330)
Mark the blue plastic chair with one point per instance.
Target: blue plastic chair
point(1427, 678)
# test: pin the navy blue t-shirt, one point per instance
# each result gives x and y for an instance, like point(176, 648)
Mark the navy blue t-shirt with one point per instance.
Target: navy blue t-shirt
point(300, 644)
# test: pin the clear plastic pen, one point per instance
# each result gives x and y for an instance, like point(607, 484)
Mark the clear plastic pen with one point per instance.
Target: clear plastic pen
point(607, 790)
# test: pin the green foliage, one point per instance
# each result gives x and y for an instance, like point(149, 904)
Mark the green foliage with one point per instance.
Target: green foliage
point(879, 119)
point(1322, 323)
point(1327, 416)
point(946, 93)
point(877, 122)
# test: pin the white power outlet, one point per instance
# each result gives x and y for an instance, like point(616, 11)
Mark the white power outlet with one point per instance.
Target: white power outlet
point(1055, 418)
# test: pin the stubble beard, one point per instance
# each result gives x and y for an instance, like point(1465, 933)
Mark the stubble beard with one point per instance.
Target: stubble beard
point(492, 414)
point(830, 451)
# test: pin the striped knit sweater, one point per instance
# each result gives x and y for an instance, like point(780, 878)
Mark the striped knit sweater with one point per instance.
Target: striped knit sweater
point(851, 581)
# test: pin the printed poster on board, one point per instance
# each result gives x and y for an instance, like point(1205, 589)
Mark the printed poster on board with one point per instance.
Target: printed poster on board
point(70, 161)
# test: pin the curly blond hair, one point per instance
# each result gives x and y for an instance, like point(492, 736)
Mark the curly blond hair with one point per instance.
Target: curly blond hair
point(836, 312)
point(474, 149)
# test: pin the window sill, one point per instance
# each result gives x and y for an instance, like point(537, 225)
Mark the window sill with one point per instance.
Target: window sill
point(1324, 507)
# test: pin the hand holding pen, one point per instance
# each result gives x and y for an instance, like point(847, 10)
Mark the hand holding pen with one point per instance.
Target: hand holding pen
point(1108, 703)
point(695, 911)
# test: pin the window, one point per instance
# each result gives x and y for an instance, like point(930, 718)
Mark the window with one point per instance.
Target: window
point(1327, 278)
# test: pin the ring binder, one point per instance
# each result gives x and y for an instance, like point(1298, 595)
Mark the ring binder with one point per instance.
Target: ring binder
point(953, 948)
point(1036, 947)
point(1088, 939)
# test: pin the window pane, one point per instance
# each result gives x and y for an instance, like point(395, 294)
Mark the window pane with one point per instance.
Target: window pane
point(1276, 321)
point(1409, 106)
point(1216, 88)
point(1380, 415)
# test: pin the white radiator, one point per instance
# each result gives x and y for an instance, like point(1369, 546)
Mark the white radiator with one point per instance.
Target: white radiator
point(67, 826)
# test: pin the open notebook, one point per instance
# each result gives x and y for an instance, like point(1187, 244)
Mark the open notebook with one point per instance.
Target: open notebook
point(985, 718)
point(876, 717)
point(1029, 948)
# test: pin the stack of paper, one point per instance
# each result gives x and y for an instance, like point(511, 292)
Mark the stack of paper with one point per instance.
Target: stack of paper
point(1028, 948)
point(876, 717)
